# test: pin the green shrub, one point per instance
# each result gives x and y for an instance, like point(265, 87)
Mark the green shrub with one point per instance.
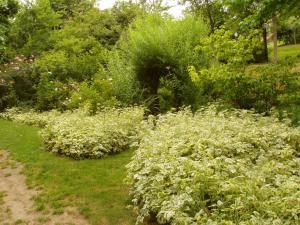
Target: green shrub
point(224, 46)
point(76, 59)
point(228, 167)
point(72, 58)
point(52, 94)
point(166, 99)
point(263, 88)
point(124, 83)
point(20, 70)
point(94, 95)
point(157, 47)
point(16, 83)
point(260, 88)
point(8, 97)
point(80, 136)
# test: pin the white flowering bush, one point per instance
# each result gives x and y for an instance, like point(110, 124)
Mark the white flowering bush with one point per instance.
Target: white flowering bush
point(30, 117)
point(230, 167)
point(81, 136)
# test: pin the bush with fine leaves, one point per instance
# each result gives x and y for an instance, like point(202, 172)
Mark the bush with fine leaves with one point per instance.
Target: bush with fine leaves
point(158, 50)
point(227, 167)
point(30, 117)
point(81, 136)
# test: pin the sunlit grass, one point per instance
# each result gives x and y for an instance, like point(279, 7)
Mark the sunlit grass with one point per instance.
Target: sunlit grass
point(286, 51)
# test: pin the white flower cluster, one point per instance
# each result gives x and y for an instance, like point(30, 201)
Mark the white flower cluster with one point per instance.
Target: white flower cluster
point(228, 167)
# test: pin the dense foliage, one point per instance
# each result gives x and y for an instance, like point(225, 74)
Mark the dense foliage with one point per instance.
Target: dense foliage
point(8, 8)
point(260, 88)
point(159, 51)
point(79, 135)
point(88, 78)
point(68, 42)
point(30, 117)
point(227, 167)
point(133, 53)
point(16, 83)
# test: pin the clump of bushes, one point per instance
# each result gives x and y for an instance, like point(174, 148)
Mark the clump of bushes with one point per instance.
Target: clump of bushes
point(30, 117)
point(78, 135)
point(261, 88)
point(157, 48)
point(8, 97)
point(16, 83)
point(231, 79)
point(93, 95)
point(52, 93)
point(226, 167)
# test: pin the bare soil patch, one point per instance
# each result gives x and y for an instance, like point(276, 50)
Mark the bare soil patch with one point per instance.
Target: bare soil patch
point(16, 200)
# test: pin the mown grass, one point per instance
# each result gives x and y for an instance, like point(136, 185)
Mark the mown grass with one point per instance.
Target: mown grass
point(286, 51)
point(95, 187)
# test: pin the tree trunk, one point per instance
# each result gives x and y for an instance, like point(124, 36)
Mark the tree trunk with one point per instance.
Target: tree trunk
point(210, 17)
point(295, 40)
point(275, 47)
point(266, 55)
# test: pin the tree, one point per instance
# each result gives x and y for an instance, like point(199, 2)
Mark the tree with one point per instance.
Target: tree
point(241, 18)
point(8, 9)
point(212, 11)
point(293, 23)
point(30, 32)
point(153, 6)
point(71, 8)
point(273, 9)
point(266, 10)
point(125, 12)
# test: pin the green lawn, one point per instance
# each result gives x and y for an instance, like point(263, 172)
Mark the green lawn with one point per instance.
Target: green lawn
point(96, 187)
point(287, 51)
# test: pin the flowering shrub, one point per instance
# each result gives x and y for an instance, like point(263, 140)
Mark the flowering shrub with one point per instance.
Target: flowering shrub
point(81, 136)
point(227, 167)
point(30, 117)
point(16, 83)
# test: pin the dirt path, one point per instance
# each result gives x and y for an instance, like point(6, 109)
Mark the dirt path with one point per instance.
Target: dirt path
point(16, 204)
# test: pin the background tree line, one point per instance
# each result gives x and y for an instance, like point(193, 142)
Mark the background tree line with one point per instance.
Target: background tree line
point(68, 54)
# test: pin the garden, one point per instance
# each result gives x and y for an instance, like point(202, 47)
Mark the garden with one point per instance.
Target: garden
point(135, 114)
